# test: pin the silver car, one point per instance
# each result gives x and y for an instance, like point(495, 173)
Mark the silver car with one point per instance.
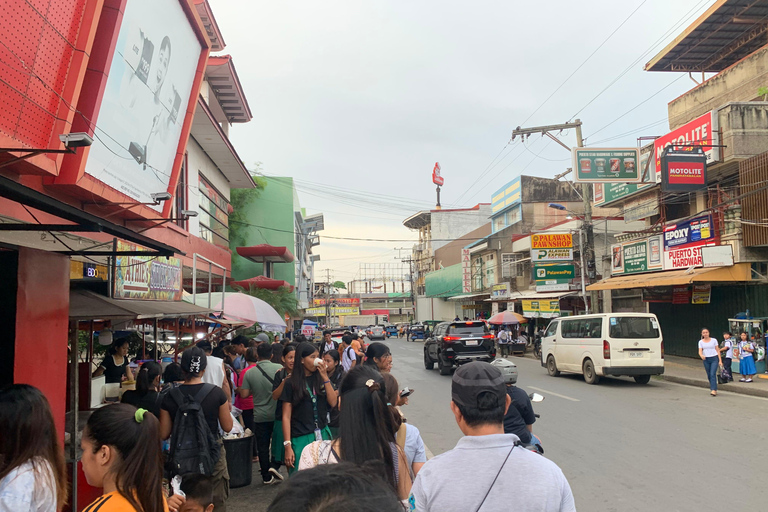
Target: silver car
point(377, 332)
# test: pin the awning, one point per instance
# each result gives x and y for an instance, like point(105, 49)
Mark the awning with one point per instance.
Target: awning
point(468, 296)
point(738, 273)
point(87, 305)
point(265, 252)
point(262, 282)
point(532, 295)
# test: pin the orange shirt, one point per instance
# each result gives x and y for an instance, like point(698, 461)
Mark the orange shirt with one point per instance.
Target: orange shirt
point(114, 502)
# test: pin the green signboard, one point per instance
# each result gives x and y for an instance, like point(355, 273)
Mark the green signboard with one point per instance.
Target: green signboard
point(635, 257)
point(607, 165)
point(560, 272)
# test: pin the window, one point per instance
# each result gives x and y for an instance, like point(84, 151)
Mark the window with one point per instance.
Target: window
point(510, 266)
point(591, 328)
point(643, 327)
point(499, 223)
point(478, 329)
point(180, 202)
point(551, 329)
point(214, 215)
point(477, 273)
point(490, 270)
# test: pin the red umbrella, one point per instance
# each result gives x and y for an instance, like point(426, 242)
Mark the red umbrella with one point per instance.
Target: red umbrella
point(507, 318)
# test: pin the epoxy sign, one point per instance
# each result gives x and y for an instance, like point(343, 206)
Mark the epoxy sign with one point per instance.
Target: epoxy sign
point(698, 229)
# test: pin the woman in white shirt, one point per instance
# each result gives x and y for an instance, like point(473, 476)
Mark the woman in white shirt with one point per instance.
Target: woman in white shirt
point(32, 472)
point(709, 353)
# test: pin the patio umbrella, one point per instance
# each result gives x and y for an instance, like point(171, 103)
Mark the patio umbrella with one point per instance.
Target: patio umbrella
point(242, 308)
point(507, 318)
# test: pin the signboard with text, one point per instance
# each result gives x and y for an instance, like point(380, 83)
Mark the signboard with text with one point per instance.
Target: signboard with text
point(702, 294)
point(466, 271)
point(637, 256)
point(552, 241)
point(607, 193)
point(335, 311)
point(553, 272)
point(618, 165)
point(436, 178)
point(697, 229)
point(500, 290)
point(338, 301)
point(146, 277)
point(683, 169)
point(551, 255)
point(702, 131)
point(541, 308)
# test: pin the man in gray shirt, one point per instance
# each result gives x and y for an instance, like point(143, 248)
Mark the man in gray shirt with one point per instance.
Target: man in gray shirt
point(496, 474)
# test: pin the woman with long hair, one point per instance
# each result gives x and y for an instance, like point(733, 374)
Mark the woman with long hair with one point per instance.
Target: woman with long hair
point(366, 431)
point(115, 363)
point(307, 396)
point(147, 392)
point(287, 357)
point(378, 356)
point(32, 473)
point(407, 436)
point(336, 373)
point(121, 455)
point(215, 406)
point(709, 353)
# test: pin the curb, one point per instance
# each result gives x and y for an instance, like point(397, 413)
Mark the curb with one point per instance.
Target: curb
point(732, 388)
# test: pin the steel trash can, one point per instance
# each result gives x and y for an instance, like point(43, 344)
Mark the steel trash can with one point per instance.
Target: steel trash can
point(239, 461)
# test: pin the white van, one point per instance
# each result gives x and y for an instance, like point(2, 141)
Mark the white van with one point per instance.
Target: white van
point(604, 344)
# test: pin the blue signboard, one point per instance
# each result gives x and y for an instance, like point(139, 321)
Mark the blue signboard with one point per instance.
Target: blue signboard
point(698, 229)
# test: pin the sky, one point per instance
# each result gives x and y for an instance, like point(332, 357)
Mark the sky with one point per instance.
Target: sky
point(357, 100)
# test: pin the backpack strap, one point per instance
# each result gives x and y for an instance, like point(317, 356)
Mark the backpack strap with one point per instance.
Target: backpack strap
point(204, 392)
point(270, 379)
point(400, 438)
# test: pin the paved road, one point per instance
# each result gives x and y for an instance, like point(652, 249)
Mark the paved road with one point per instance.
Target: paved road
point(622, 446)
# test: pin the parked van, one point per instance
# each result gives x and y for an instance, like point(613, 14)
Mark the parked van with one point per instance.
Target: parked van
point(604, 344)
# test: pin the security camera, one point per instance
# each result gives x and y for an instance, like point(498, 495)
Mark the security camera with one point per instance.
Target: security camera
point(76, 139)
point(188, 213)
point(157, 197)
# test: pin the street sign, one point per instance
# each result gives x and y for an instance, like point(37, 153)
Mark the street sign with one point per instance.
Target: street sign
point(436, 178)
point(607, 165)
point(551, 241)
point(558, 272)
point(551, 255)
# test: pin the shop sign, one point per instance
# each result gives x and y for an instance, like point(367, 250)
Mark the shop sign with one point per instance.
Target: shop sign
point(335, 311)
point(607, 165)
point(466, 271)
point(551, 255)
point(717, 256)
point(681, 295)
point(683, 169)
point(554, 272)
point(702, 131)
point(436, 178)
point(607, 193)
point(617, 259)
point(698, 229)
point(308, 330)
point(541, 308)
point(552, 241)
point(701, 294)
point(635, 257)
point(654, 253)
point(339, 301)
point(500, 290)
point(79, 270)
point(683, 257)
point(552, 286)
point(146, 277)
point(663, 294)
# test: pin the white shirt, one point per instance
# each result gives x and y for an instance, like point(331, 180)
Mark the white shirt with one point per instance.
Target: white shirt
point(743, 353)
point(709, 347)
point(728, 353)
point(347, 357)
point(214, 371)
point(23, 491)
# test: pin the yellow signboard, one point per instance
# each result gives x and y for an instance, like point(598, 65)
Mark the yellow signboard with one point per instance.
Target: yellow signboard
point(335, 311)
point(551, 241)
point(541, 308)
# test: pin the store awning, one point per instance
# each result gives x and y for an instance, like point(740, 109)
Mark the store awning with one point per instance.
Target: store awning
point(87, 305)
point(262, 282)
point(738, 273)
point(469, 296)
point(265, 252)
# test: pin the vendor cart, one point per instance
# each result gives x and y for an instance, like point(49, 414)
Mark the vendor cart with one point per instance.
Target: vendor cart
point(756, 328)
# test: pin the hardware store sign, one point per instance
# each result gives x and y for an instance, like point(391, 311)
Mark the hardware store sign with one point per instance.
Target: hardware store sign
point(607, 165)
point(552, 255)
point(552, 241)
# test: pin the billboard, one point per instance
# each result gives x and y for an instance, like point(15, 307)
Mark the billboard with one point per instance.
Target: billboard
point(145, 99)
point(146, 277)
point(700, 132)
point(683, 169)
point(436, 178)
point(621, 165)
point(607, 193)
point(637, 256)
point(683, 233)
point(551, 255)
point(559, 272)
point(552, 241)
point(541, 308)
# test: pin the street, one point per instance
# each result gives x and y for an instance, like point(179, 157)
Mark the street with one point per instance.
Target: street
point(622, 446)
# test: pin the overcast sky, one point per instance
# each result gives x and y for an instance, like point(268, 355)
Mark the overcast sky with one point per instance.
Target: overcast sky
point(365, 96)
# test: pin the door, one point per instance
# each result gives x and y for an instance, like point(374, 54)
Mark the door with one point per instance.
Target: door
point(549, 340)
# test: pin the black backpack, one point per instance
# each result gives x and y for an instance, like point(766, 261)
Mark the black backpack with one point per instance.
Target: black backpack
point(194, 448)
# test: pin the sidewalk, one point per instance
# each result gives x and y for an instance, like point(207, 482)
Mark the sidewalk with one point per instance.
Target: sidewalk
point(685, 370)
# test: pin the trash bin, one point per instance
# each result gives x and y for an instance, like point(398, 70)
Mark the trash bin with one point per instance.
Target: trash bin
point(239, 461)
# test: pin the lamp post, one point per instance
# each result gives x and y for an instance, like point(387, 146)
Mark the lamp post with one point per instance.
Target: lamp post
point(557, 206)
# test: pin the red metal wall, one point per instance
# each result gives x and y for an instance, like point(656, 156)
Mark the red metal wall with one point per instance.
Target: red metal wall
point(42, 318)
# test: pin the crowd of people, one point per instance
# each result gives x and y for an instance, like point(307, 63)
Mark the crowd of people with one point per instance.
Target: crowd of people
point(330, 413)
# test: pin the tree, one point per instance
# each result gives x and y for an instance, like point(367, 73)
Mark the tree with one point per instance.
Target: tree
point(283, 299)
point(339, 285)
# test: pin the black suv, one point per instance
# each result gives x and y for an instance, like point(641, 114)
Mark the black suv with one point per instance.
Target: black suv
point(455, 343)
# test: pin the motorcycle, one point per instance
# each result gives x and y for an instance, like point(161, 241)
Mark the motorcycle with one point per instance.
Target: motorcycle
point(535, 444)
point(537, 347)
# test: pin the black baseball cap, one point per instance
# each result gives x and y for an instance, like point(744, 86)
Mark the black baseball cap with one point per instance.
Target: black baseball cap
point(472, 379)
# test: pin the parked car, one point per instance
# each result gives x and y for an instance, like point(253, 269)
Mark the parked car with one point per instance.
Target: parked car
point(612, 344)
point(456, 343)
point(377, 332)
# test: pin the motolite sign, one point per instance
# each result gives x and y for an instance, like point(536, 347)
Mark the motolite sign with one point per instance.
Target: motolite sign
point(436, 178)
point(702, 131)
point(683, 169)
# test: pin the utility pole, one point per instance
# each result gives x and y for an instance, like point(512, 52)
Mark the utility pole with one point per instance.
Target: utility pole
point(586, 197)
point(410, 262)
point(328, 297)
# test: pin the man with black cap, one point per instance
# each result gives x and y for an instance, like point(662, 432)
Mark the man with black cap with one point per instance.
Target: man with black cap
point(497, 475)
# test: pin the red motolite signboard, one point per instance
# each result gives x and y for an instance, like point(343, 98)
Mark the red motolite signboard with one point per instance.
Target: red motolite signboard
point(436, 178)
point(683, 169)
point(686, 173)
point(702, 131)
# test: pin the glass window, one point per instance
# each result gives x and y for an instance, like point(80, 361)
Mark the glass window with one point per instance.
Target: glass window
point(214, 215)
point(499, 223)
point(642, 327)
point(551, 328)
point(464, 329)
point(510, 266)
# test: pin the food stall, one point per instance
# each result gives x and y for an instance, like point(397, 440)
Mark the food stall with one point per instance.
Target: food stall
point(757, 330)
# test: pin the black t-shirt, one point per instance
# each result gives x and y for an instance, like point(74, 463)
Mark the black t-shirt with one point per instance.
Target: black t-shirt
point(302, 415)
point(113, 373)
point(519, 414)
point(336, 377)
point(279, 377)
point(215, 399)
point(149, 401)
